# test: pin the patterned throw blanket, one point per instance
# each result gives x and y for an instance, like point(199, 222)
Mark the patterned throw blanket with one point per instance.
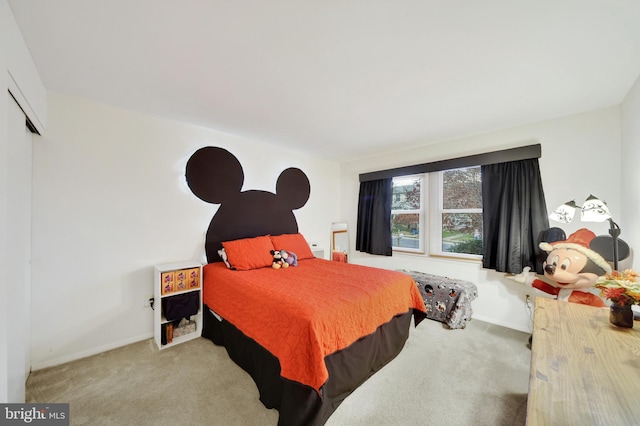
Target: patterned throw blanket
point(447, 300)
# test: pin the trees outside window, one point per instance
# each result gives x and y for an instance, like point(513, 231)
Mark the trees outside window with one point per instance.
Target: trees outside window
point(407, 213)
point(458, 212)
point(454, 203)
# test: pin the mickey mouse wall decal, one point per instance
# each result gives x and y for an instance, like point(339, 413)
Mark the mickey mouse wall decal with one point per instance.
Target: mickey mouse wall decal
point(216, 176)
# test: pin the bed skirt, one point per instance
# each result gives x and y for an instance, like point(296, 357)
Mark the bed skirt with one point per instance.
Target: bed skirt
point(299, 404)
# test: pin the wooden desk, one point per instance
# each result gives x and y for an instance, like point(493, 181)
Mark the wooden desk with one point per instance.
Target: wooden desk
point(584, 370)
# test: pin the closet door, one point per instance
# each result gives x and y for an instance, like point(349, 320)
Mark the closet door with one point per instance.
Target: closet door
point(18, 329)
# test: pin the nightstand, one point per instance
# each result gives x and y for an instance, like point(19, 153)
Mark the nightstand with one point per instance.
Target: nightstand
point(179, 281)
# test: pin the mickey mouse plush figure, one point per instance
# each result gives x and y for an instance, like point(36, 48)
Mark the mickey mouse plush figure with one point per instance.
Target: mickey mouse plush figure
point(572, 266)
point(278, 260)
point(215, 175)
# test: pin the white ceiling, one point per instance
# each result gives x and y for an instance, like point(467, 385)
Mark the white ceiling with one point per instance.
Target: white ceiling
point(339, 78)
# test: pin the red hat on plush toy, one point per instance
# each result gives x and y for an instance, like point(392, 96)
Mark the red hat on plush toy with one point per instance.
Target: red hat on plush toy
point(579, 241)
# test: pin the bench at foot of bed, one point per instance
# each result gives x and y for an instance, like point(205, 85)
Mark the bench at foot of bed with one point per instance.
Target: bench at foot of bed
point(447, 300)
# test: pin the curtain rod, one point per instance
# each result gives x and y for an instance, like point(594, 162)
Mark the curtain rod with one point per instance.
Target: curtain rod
point(502, 156)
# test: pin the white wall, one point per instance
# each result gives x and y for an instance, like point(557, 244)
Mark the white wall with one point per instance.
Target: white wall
point(23, 78)
point(576, 154)
point(110, 201)
point(18, 326)
point(630, 172)
point(19, 76)
point(4, 226)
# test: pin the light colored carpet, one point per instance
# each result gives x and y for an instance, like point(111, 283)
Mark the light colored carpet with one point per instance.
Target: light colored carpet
point(475, 376)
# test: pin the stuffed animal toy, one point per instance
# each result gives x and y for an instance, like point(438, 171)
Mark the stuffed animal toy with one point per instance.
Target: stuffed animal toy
point(572, 266)
point(289, 257)
point(278, 260)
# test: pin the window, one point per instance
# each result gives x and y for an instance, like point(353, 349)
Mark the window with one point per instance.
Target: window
point(407, 213)
point(456, 228)
point(455, 213)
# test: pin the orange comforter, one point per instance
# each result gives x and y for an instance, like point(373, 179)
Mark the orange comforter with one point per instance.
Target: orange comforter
point(302, 314)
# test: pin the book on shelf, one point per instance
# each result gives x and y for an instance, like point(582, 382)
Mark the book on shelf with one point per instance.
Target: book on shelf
point(166, 333)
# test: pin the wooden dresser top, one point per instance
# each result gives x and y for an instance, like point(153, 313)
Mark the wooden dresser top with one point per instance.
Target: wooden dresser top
point(584, 370)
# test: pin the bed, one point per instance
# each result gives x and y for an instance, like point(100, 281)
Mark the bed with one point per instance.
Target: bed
point(308, 334)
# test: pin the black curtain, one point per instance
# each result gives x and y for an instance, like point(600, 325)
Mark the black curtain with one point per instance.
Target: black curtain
point(373, 234)
point(514, 215)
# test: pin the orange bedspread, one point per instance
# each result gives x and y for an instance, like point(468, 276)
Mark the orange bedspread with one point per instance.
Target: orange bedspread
point(302, 314)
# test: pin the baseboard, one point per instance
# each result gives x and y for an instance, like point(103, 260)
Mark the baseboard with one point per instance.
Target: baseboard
point(91, 352)
point(121, 343)
point(501, 323)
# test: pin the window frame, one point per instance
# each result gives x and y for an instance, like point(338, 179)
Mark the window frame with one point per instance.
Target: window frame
point(436, 209)
point(422, 212)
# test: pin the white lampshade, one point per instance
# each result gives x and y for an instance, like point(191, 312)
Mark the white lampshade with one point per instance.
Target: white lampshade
point(594, 210)
point(564, 213)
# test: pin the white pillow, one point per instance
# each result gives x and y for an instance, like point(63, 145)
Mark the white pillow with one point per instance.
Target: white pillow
point(223, 256)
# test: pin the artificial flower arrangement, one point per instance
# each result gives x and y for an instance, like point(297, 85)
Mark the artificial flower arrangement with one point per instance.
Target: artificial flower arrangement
point(620, 287)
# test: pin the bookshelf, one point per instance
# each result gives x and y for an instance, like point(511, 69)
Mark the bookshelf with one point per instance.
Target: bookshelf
point(177, 288)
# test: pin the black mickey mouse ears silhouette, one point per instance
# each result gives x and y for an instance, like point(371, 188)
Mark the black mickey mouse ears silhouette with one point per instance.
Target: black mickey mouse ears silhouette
point(216, 176)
